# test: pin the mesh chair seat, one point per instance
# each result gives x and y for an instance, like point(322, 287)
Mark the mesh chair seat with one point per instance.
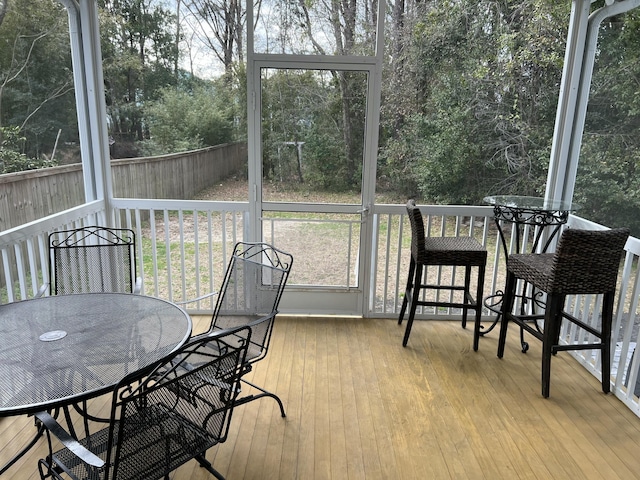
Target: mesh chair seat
point(464, 252)
point(585, 262)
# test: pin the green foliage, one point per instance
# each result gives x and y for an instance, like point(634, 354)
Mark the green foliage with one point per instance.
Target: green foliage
point(325, 164)
point(469, 101)
point(36, 81)
point(307, 108)
point(11, 158)
point(434, 159)
point(183, 120)
point(608, 180)
point(139, 61)
point(486, 80)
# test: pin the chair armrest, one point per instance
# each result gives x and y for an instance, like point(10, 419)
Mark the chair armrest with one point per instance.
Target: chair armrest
point(265, 318)
point(197, 299)
point(52, 425)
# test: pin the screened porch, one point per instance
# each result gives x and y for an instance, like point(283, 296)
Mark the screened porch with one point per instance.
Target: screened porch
point(452, 412)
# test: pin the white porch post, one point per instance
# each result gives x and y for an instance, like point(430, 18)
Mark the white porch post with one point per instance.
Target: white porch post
point(90, 99)
point(254, 135)
point(579, 60)
point(569, 86)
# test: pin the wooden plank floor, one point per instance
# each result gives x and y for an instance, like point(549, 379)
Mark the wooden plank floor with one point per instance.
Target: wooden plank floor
point(360, 406)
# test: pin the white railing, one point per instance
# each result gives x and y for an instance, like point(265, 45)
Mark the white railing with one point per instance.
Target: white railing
point(392, 252)
point(183, 247)
point(625, 364)
point(24, 250)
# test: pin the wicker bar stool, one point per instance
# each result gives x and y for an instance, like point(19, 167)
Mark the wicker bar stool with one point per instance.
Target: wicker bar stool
point(585, 262)
point(465, 252)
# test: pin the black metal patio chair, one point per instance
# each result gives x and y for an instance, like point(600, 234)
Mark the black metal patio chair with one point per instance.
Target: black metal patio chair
point(90, 260)
point(586, 262)
point(93, 259)
point(161, 417)
point(256, 276)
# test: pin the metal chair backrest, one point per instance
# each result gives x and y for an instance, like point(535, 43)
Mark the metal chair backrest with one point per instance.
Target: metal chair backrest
point(251, 291)
point(587, 261)
point(162, 418)
point(92, 259)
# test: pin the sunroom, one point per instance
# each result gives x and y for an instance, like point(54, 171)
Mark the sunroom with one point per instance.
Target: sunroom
point(351, 255)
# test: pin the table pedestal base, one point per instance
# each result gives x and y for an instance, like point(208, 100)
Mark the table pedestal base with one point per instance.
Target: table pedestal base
point(494, 304)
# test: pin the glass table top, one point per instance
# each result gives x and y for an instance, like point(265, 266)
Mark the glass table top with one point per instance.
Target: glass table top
point(531, 203)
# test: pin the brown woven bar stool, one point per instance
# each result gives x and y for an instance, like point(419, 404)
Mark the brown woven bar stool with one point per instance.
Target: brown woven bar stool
point(585, 262)
point(465, 252)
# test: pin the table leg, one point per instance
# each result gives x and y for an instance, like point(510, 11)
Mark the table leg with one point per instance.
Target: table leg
point(493, 303)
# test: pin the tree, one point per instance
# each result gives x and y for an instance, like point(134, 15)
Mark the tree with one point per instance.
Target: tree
point(36, 82)
point(139, 52)
point(11, 158)
point(346, 18)
point(185, 120)
point(220, 25)
point(524, 91)
point(608, 185)
point(485, 77)
point(4, 6)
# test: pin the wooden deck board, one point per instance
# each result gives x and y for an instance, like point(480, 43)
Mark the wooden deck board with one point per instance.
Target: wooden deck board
point(360, 406)
point(534, 416)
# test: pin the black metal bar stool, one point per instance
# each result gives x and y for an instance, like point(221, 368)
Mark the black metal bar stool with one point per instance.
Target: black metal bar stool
point(465, 252)
point(585, 262)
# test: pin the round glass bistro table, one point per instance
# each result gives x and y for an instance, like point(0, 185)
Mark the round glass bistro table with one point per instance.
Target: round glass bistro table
point(546, 218)
point(62, 350)
point(534, 211)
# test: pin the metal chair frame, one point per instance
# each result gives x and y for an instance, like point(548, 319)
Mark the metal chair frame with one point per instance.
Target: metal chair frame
point(161, 417)
point(250, 294)
point(93, 259)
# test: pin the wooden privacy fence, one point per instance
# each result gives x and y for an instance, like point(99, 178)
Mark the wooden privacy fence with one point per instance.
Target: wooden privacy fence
point(34, 194)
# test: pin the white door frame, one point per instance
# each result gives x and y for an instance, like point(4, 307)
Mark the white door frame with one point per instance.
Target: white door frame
point(325, 301)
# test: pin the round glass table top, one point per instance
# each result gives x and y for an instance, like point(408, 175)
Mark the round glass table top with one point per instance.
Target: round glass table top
point(531, 203)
